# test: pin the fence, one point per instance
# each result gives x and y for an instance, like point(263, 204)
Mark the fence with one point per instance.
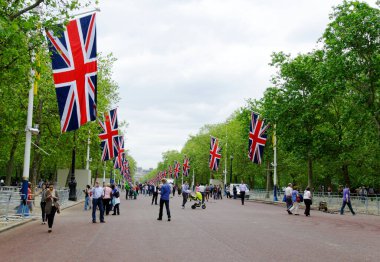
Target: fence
point(13, 209)
point(360, 204)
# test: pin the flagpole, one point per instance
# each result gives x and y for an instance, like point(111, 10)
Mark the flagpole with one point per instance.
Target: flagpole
point(225, 161)
point(88, 151)
point(275, 165)
point(104, 172)
point(192, 184)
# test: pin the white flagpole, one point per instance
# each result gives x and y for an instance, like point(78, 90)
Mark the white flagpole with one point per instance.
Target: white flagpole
point(104, 172)
point(192, 184)
point(88, 152)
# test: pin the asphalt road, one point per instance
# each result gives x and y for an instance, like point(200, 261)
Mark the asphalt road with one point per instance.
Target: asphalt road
point(224, 231)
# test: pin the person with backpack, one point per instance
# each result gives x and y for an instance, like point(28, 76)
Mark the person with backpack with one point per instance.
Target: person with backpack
point(115, 200)
point(296, 198)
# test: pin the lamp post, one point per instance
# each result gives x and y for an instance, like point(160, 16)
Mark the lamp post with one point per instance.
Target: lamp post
point(231, 158)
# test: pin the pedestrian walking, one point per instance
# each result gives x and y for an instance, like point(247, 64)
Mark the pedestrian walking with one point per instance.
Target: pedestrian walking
point(97, 194)
point(87, 191)
point(346, 200)
point(165, 195)
point(234, 190)
point(43, 203)
point(308, 201)
point(155, 194)
point(115, 200)
point(296, 198)
point(107, 198)
point(185, 193)
point(242, 188)
point(51, 206)
point(288, 197)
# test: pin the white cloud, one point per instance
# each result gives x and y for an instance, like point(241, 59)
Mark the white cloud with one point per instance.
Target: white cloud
point(186, 63)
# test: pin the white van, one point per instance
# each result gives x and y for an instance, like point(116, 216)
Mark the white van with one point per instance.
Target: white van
point(238, 190)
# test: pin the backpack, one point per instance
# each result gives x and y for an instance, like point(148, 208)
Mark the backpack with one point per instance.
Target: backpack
point(300, 197)
point(116, 194)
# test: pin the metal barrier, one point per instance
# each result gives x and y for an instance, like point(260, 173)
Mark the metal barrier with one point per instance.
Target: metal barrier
point(12, 207)
point(360, 204)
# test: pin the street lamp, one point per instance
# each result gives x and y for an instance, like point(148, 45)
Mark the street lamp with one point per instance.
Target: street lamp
point(232, 158)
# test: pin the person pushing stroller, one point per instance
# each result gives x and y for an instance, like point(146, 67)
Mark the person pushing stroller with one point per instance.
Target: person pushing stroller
point(198, 200)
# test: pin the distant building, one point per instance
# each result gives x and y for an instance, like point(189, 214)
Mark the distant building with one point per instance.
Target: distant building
point(140, 173)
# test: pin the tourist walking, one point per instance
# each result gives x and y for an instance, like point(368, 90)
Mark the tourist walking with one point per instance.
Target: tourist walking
point(165, 195)
point(97, 194)
point(155, 194)
point(346, 200)
point(185, 193)
point(296, 202)
point(288, 197)
point(107, 198)
point(242, 188)
point(51, 205)
point(43, 203)
point(115, 200)
point(307, 200)
point(87, 191)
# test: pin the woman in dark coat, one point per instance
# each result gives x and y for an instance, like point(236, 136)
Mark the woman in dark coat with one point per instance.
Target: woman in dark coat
point(51, 205)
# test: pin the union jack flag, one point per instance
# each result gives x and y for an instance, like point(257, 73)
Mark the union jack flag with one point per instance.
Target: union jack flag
point(118, 162)
point(109, 135)
point(257, 138)
point(215, 155)
point(176, 169)
point(186, 167)
point(74, 63)
point(125, 168)
point(170, 171)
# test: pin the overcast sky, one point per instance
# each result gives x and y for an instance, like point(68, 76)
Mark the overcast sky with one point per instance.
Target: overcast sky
point(186, 63)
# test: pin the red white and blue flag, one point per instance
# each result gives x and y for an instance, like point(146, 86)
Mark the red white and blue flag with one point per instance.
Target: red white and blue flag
point(257, 138)
point(109, 135)
point(74, 63)
point(215, 155)
point(176, 169)
point(170, 171)
point(186, 167)
point(118, 162)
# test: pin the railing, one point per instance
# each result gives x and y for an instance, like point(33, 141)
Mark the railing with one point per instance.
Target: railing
point(13, 208)
point(360, 204)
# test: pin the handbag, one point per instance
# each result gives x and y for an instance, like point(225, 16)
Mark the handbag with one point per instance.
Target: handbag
point(57, 206)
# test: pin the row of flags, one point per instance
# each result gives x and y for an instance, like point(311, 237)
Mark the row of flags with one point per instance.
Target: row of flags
point(172, 172)
point(74, 64)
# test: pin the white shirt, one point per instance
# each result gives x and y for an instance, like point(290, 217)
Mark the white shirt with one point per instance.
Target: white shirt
point(201, 189)
point(242, 187)
point(307, 194)
point(97, 192)
point(288, 191)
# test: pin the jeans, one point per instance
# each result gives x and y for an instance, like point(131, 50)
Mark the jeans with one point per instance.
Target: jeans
point(97, 203)
point(348, 203)
point(242, 195)
point(43, 204)
point(307, 204)
point(50, 217)
point(184, 196)
point(86, 202)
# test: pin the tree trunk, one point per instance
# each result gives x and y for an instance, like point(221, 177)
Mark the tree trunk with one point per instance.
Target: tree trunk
point(310, 172)
point(268, 179)
point(10, 163)
point(346, 176)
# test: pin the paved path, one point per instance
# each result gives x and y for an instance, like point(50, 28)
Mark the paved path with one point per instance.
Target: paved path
point(225, 231)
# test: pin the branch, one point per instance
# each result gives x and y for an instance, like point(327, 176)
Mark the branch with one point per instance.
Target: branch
point(14, 16)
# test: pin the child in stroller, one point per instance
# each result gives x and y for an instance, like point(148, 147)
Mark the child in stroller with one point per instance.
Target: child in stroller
point(198, 200)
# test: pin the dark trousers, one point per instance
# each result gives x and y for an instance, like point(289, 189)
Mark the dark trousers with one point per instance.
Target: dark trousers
point(289, 202)
point(184, 197)
point(116, 209)
point(106, 205)
point(242, 195)
point(162, 202)
point(50, 217)
point(154, 198)
point(43, 204)
point(97, 203)
point(348, 203)
point(203, 197)
point(307, 208)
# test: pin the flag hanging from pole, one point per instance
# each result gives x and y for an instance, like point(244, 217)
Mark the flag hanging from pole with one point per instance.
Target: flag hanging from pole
point(257, 138)
point(215, 155)
point(109, 135)
point(186, 167)
point(118, 162)
point(176, 169)
point(74, 63)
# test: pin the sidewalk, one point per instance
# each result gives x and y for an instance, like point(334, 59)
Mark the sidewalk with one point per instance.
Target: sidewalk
point(35, 215)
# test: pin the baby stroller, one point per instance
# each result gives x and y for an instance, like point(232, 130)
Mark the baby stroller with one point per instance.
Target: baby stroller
point(198, 200)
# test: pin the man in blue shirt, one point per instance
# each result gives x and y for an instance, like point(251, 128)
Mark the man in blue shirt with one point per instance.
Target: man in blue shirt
point(165, 195)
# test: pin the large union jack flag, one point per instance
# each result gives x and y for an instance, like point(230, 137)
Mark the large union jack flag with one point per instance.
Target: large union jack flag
point(186, 167)
point(215, 155)
point(109, 135)
point(257, 138)
point(74, 62)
